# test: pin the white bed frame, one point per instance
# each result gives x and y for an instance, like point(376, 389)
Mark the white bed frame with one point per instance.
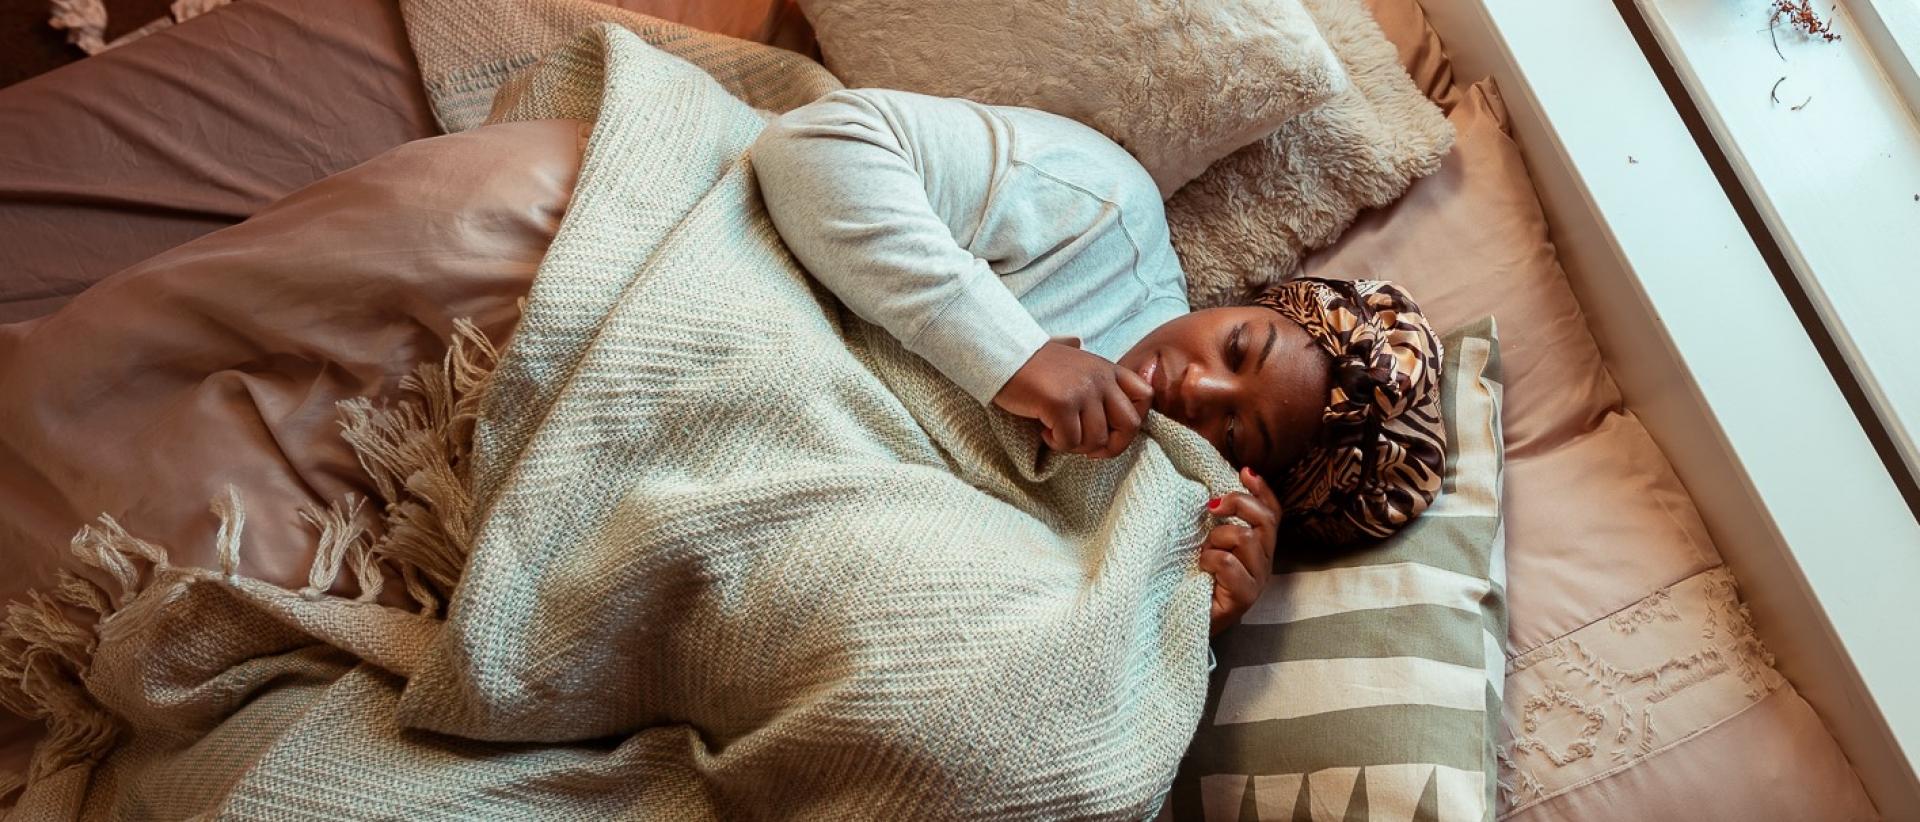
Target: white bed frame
point(1806, 514)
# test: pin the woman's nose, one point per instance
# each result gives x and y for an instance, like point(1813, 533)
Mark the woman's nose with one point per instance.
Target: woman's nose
point(1205, 392)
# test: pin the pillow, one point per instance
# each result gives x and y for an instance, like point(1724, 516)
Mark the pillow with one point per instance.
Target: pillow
point(468, 49)
point(1370, 683)
point(1246, 222)
point(774, 22)
point(1668, 709)
point(1617, 596)
point(1421, 52)
point(1471, 241)
point(1179, 83)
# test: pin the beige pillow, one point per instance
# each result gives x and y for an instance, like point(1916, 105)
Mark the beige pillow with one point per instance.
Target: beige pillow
point(1616, 591)
point(1421, 52)
point(1179, 83)
point(1246, 222)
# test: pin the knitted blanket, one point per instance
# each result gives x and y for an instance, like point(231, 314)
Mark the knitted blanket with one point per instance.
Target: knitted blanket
point(697, 544)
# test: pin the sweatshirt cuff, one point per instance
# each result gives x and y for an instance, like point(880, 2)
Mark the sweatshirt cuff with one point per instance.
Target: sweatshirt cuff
point(980, 338)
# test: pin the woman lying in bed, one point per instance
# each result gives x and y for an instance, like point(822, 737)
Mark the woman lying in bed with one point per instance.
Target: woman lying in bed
point(1026, 256)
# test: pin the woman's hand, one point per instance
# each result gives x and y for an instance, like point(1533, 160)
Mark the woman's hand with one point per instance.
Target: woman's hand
point(1089, 405)
point(1240, 557)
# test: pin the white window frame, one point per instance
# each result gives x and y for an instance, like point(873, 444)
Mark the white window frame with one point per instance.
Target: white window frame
point(1823, 138)
point(1891, 29)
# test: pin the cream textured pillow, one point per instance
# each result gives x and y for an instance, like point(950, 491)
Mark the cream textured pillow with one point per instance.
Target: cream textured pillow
point(1246, 222)
point(1179, 83)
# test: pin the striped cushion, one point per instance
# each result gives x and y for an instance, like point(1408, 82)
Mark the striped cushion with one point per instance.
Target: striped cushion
point(1368, 687)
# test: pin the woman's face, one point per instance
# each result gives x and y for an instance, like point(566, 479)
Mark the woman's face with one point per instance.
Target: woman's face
point(1249, 380)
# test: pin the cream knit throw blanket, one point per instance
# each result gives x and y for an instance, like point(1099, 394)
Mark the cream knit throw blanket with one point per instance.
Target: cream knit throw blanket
point(701, 546)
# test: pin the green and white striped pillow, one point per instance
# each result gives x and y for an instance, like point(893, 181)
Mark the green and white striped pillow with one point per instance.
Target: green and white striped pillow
point(1368, 687)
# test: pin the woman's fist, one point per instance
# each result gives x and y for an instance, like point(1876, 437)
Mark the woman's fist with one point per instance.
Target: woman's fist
point(1087, 404)
point(1240, 557)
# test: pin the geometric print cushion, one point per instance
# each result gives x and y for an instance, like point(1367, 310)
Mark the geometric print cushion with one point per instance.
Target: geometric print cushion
point(1368, 686)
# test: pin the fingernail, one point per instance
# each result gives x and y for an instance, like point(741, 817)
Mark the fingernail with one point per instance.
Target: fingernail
point(1213, 503)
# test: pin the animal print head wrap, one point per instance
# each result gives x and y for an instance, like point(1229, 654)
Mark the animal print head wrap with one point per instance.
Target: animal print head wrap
point(1382, 445)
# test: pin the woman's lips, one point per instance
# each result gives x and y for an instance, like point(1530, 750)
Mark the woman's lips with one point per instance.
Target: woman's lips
point(1150, 371)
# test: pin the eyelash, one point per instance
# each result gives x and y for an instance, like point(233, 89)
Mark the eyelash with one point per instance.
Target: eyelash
point(1237, 358)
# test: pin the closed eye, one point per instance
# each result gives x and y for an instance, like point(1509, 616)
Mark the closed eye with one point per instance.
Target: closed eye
point(1237, 347)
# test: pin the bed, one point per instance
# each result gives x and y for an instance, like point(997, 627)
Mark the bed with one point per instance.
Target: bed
point(1634, 689)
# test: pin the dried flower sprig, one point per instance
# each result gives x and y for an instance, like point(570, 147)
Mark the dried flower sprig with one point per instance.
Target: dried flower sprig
point(1800, 15)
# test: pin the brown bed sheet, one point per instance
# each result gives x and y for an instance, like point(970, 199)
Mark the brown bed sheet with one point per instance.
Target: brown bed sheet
point(221, 361)
point(118, 157)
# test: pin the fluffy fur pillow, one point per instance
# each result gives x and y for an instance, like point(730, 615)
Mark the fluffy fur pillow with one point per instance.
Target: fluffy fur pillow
point(1179, 83)
point(1246, 222)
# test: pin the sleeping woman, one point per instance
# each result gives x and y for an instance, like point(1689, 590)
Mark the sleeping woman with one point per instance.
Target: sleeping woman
point(1026, 256)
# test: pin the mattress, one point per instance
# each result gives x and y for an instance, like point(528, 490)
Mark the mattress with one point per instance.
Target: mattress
point(122, 156)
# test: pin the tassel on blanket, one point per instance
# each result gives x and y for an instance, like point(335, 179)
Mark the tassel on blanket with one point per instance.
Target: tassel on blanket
point(233, 519)
point(47, 645)
point(84, 20)
point(344, 544)
point(41, 656)
point(415, 452)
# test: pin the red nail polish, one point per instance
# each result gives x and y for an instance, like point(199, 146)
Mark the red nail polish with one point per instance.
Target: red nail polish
point(1212, 504)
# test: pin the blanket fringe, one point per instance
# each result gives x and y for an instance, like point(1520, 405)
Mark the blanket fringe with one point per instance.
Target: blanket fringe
point(48, 640)
point(226, 542)
point(84, 20)
point(343, 544)
point(414, 451)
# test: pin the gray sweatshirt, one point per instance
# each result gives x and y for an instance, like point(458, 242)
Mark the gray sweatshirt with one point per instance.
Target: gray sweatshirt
point(972, 233)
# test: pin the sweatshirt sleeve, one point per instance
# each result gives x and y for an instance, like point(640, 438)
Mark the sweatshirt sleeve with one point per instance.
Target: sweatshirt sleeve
point(874, 193)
